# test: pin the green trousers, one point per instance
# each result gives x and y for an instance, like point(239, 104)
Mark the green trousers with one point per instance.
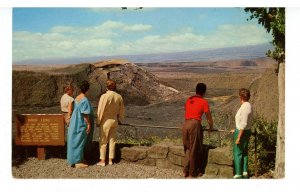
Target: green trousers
point(240, 152)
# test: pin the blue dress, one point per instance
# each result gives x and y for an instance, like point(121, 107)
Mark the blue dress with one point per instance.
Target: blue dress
point(78, 140)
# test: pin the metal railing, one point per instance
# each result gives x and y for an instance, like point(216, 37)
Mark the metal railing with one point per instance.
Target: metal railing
point(176, 128)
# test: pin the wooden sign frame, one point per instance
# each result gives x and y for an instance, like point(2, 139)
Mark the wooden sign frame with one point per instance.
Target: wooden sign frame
point(40, 129)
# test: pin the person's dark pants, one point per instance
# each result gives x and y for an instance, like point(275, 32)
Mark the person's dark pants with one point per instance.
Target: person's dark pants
point(192, 136)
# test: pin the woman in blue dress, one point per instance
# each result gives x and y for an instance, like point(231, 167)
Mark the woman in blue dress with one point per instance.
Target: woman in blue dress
point(80, 131)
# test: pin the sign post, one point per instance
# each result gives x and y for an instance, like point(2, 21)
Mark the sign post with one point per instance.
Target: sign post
point(40, 130)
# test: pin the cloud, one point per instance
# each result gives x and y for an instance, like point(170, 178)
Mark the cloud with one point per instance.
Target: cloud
point(202, 17)
point(187, 40)
point(115, 38)
point(137, 28)
point(160, 44)
point(119, 9)
point(105, 9)
point(68, 41)
point(112, 25)
point(238, 35)
point(169, 43)
point(61, 29)
point(108, 25)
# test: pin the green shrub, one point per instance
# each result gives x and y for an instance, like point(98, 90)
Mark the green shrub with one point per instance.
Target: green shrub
point(266, 133)
point(149, 141)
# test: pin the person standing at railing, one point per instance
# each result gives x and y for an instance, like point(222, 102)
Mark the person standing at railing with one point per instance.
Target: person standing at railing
point(111, 112)
point(66, 104)
point(192, 131)
point(242, 134)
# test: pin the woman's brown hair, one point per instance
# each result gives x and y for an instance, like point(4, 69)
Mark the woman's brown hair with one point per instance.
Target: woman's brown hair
point(244, 94)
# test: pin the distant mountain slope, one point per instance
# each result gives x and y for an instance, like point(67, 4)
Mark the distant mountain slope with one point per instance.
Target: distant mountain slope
point(44, 88)
point(246, 52)
point(264, 97)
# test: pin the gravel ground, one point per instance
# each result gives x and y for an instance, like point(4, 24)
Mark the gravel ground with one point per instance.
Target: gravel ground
point(58, 168)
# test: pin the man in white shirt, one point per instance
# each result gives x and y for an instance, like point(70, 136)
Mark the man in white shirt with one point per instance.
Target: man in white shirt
point(66, 104)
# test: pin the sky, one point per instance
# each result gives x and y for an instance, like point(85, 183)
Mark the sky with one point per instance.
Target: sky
point(44, 33)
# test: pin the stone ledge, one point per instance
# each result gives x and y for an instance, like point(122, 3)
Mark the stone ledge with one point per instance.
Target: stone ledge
point(219, 171)
point(220, 156)
point(159, 151)
point(219, 163)
point(177, 150)
point(134, 153)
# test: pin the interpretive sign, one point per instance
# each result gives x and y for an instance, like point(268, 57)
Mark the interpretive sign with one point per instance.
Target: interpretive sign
point(40, 129)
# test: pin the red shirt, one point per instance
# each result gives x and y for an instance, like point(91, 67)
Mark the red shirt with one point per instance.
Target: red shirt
point(195, 106)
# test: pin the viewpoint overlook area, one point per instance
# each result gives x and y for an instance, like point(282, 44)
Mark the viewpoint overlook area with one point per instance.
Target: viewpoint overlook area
point(39, 87)
point(154, 93)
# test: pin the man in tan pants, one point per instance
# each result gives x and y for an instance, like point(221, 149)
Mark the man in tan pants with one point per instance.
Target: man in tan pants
point(110, 113)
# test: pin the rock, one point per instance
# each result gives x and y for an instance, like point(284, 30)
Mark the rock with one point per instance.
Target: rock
point(147, 161)
point(264, 104)
point(134, 153)
point(159, 151)
point(220, 156)
point(226, 171)
point(175, 159)
point(177, 150)
point(139, 86)
point(45, 88)
point(220, 163)
point(166, 164)
point(218, 171)
point(212, 169)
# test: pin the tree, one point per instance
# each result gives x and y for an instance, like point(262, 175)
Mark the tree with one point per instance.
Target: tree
point(273, 20)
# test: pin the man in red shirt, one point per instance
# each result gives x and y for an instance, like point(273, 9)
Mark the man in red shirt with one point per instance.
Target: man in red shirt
point(192, 132)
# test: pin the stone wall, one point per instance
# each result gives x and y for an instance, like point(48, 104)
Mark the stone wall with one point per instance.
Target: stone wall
point(218, 162)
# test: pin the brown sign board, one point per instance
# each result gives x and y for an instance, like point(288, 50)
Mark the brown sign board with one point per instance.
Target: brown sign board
point(40, 129)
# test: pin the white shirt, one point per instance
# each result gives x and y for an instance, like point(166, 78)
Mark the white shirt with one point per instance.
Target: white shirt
point(65, 101)
point(243, 117)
